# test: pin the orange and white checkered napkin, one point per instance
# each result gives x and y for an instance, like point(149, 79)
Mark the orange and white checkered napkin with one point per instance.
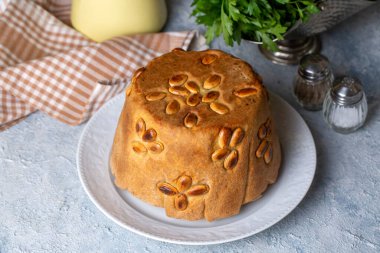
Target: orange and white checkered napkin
point(46, 65)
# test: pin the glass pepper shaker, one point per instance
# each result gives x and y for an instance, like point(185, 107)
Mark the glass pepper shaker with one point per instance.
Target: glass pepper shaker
point(313, 80)
point(345, 107)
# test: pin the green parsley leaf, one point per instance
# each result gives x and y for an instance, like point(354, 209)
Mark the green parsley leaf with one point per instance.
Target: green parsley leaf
point(258, 20)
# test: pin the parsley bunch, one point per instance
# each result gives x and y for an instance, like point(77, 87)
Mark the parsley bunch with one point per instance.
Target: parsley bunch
point(257, 20)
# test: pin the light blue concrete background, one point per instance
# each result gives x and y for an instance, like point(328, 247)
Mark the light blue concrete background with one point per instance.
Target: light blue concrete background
point(43, 207)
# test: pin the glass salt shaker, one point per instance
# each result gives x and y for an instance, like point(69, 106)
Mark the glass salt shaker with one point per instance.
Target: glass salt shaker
point(345, 107)
point(313, 80)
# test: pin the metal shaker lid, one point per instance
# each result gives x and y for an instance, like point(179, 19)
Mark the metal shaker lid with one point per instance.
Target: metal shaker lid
point(347, 91)
point(314, 67)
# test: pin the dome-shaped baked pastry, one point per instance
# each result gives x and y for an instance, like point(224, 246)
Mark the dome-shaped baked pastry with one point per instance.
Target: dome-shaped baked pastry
point(196, 136)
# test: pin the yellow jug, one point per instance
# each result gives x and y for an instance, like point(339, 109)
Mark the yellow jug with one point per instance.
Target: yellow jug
point(103, 19)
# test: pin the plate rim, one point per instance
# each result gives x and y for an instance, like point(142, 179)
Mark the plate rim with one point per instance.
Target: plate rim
point(278, 218)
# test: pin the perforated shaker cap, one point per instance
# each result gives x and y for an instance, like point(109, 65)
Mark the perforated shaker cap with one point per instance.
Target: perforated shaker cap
point(314, 67)
point(347, 91)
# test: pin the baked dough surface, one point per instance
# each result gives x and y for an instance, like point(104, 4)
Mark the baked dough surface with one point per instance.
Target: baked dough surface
point(196, 136)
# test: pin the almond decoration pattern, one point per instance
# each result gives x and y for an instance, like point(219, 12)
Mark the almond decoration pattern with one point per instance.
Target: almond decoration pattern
point(183, 190)
point(265, 148)
point(206, 95)
point(148, 142)
point(227, 142)
point(192, 93)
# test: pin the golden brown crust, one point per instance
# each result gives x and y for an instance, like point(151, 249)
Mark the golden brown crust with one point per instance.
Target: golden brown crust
point(196, 136)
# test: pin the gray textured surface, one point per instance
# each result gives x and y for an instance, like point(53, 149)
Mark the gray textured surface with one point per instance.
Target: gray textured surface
point(43, 207)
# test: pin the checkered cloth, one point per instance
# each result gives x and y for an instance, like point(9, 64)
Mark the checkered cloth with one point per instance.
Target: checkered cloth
point(46, 65)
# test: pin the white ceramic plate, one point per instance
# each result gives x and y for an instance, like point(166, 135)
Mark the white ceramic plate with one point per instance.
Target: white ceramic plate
point(296, 174)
